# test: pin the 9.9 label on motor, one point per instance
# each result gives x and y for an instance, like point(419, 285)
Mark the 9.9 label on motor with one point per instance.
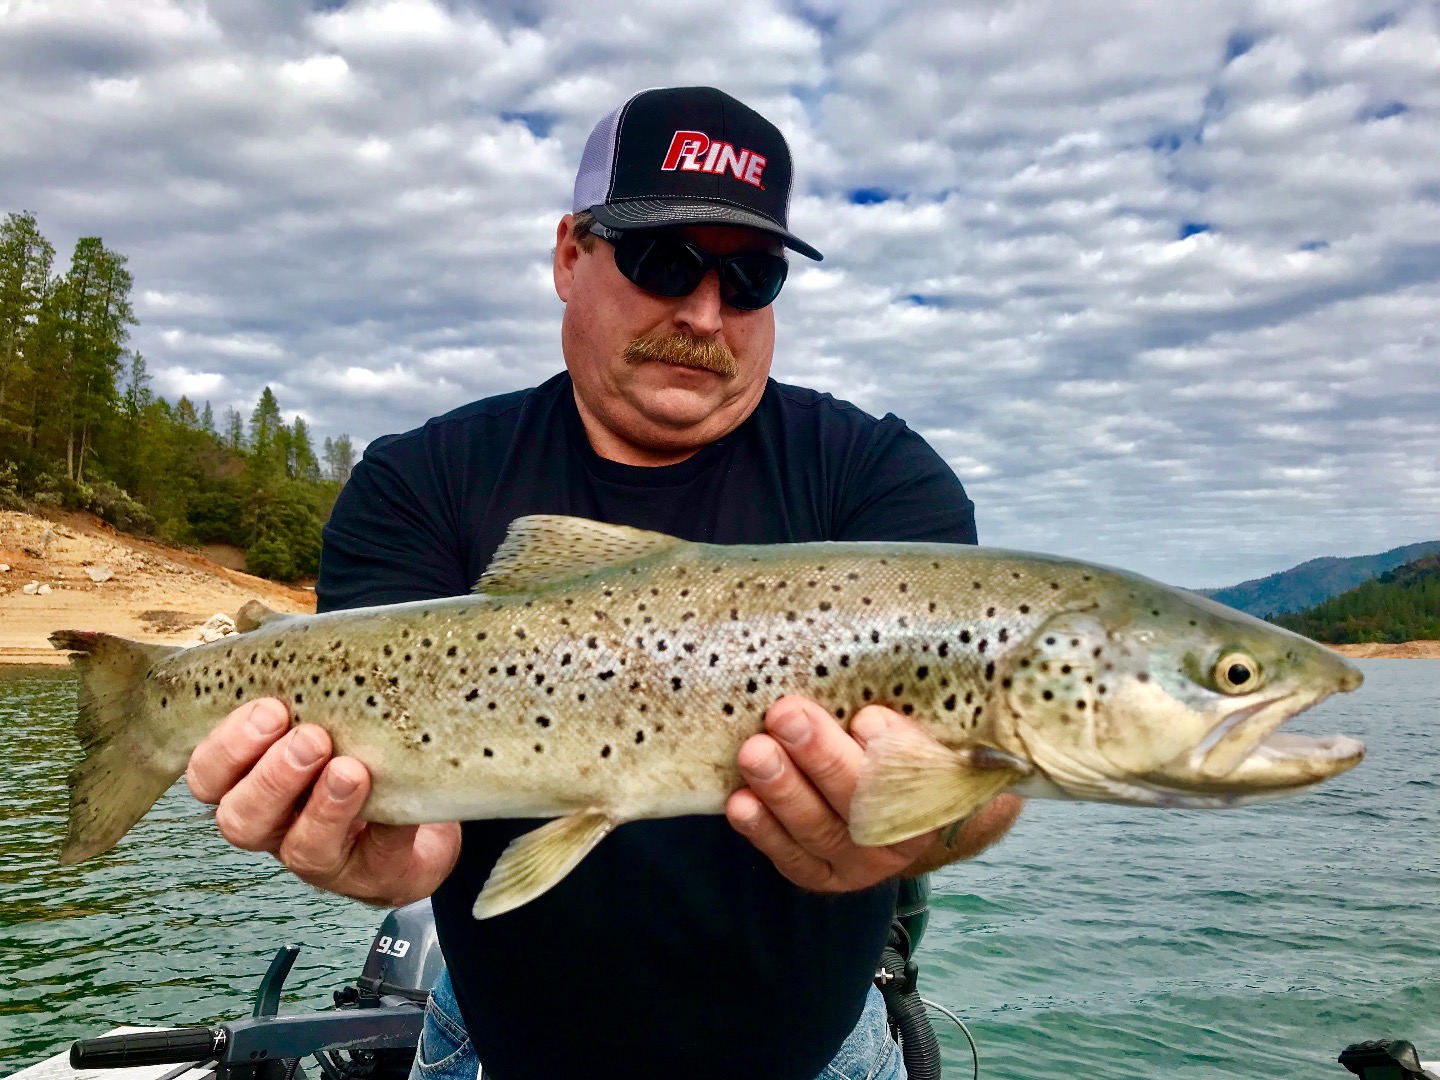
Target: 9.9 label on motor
point(392, 946)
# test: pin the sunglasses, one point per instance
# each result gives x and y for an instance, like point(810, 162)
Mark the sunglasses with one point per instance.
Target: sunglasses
point(662, 263)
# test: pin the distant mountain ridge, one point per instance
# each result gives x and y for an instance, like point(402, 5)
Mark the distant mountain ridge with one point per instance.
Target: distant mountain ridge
point(1400, 605)
point(1315, 581)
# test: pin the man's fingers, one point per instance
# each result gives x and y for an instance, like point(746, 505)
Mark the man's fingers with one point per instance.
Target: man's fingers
point(802, 811)
point(820, 748)
point(318, 844)
point(255, 813)
point(752, 819)
point(233, 748)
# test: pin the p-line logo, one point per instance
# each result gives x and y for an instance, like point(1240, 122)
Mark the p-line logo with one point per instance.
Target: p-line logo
point(694, 151)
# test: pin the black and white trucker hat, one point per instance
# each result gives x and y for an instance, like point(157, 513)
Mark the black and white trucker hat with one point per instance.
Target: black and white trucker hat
point(688, 155)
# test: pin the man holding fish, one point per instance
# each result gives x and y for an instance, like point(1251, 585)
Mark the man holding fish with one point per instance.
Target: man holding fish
point(668, 335)
point(672, 949)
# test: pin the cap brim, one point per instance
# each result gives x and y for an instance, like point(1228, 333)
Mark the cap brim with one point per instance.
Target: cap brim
point(660, 213)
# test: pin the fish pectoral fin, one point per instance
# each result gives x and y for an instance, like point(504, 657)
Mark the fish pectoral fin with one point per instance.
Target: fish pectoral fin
point(254, 615)
point(910, 784)
point(545, 549)
point(539, 859)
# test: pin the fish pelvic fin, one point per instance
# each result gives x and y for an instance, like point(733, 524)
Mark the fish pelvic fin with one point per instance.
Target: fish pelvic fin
point(545, 549)
point(910, 784)
point(130, 759)
point(539, 859)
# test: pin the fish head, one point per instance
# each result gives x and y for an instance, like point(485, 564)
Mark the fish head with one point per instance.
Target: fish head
point(1160, 697)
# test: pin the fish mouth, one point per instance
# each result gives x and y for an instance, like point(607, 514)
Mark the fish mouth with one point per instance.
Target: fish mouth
point(1246, 752)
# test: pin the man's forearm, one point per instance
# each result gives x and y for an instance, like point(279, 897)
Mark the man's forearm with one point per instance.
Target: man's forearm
point(972, 836)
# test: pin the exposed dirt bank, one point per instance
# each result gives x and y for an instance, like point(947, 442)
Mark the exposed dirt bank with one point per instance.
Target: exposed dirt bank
point(1406, 650)
point(152, 592)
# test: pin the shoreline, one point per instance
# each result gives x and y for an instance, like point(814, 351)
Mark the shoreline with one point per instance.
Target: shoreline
point(164, 594)
point(147, 591)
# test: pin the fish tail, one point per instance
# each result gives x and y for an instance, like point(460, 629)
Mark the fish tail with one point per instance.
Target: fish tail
point(130, 759)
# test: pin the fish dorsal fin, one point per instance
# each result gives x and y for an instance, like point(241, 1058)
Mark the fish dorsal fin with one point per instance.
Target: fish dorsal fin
point(545, 549)
point(254, 615)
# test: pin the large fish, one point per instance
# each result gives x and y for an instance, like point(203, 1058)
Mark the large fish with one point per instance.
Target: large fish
point(603, 674)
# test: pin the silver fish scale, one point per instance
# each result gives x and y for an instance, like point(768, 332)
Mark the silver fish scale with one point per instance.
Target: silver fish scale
point(632, 689)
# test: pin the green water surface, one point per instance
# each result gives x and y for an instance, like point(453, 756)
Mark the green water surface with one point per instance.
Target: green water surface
point(1101, 942)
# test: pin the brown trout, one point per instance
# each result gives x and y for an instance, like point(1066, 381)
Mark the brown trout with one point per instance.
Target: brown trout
point(603, 674)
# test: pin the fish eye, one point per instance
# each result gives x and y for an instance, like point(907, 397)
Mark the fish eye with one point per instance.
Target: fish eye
point(1237, 673)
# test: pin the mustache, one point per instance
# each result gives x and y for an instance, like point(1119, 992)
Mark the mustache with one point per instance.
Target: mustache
point(686, 351)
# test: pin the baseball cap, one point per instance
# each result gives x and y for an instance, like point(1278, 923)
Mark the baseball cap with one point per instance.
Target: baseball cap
point(687, 155)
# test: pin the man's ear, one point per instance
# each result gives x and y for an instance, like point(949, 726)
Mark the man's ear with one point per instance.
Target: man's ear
point(567, 254)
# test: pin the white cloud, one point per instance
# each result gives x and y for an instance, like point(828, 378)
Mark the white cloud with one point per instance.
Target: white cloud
point(1159, 283)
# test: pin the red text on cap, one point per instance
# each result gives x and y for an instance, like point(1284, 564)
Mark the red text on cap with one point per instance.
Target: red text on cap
point(693, 151)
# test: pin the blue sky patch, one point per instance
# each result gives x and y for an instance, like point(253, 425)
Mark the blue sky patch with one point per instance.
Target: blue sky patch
point(1193, 228)
point(869, 196)
point(539, 123)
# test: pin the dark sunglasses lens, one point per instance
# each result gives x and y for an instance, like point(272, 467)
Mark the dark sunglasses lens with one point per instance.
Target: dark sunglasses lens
point(659, 264)
point(752, 281)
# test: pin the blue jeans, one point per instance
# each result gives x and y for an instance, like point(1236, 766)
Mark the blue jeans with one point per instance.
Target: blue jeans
point(445, 1051)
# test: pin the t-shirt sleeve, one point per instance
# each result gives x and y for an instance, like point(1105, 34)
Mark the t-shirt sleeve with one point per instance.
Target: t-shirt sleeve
point(387, 540)
point(899, 488)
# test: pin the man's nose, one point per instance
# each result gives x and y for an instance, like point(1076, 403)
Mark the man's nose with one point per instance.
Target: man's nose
point(700, 312)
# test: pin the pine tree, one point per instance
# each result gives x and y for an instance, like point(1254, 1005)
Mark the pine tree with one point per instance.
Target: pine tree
point(25, 261)
point(339, 459)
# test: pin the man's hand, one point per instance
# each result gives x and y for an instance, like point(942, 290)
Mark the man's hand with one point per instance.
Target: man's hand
point(802, 775)
point(257, 772)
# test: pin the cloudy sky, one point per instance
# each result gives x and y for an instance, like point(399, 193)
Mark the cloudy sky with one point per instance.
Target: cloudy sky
point(1161, 282)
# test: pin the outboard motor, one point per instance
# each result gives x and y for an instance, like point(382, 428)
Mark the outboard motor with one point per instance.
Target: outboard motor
point(404, 958)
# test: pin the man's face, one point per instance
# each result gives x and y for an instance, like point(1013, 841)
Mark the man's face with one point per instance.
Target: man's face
point(644, 410)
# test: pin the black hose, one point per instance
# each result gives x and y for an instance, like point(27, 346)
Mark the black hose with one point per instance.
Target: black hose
point(918, 1044)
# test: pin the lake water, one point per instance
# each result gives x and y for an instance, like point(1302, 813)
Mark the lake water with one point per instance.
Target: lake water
point(1097, 942)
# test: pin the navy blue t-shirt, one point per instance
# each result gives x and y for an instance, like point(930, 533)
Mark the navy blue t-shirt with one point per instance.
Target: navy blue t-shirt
point(675, 949)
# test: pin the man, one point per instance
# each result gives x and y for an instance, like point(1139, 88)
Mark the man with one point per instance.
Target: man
point(679, 948)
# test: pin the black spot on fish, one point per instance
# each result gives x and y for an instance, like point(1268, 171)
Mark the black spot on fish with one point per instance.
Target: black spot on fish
point(314, 679)
point(1048, 695)
point(921, 672)
point(539, 748)
point(822, 670)
point(714, 659)
point(949, 703)
point(867, 693)
point(407, 658)
point(241, 693)
point(543, 721)
point(875, 637)
point(728, 708)
point(943, 649)
point(606, 675)
point(899, 689)
point(1006, 682)
point(1065, 669)
point(370, 700)
point(197, 689)
point(844, 659)
point(675, 683)
point(824, 605)
point(689, 646)
point(539, 679)
point(990, 671)
point(907, 709)
point(964, 637)
point(164, 703)
point(473, 694)
point(1142, 676)
point(605, 750)
point(580, 696)
point(864, 600)
point(359, 680)
point(299, 699)
point(1049, 641)
point(639, 737)
point(488, 752)
point(510, 670)
point(751, 687)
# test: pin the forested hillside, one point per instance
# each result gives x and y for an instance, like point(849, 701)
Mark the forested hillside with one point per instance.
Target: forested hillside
point(1306, 585)
point(1401, 605)
point(80, 427)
